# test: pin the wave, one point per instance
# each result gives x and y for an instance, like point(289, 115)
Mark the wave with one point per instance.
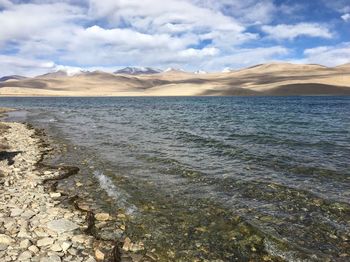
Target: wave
point(113, 192)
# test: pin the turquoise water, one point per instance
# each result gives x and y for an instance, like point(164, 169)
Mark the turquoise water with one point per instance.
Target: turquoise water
point(216, 178)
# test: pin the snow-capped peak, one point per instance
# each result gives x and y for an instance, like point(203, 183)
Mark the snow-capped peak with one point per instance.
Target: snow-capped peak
point(171, 69)
point(227, 70)
point(137, 70)
point(200, 72)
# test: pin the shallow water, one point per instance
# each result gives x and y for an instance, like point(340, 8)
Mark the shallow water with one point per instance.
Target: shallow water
point(216, 178)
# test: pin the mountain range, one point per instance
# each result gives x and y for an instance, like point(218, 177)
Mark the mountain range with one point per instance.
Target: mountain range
point(273, 79)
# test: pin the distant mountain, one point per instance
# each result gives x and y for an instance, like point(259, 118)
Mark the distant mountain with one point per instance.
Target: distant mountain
point(273, 79)
point(13, 77)
point(62, 73)
point(137, 71)
point(200, 72)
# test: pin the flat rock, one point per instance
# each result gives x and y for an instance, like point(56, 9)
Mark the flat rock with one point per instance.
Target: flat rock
point(16, 212)
point(55, 195)
point(99, 254)
point(62, 225)
point(5, 239)
point(28, 214)
point(102, 216)
point(25, 256)
point(33, 249)
point(25, 244)
point(65, 245)
point(3, 247)
point(45, 241)
point(56, 247)
point(53, 258)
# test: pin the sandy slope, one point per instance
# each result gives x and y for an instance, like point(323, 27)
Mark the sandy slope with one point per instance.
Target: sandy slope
point(266, 79)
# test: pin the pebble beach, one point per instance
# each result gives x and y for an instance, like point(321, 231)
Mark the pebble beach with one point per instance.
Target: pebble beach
point(36, 223)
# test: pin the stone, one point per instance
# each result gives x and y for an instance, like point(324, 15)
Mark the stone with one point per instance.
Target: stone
point(52, 258)
point(72, 251)
point(16, 212)
point(45, 242)
point(25, 244)
point(66, 245)
point(137, 247)
point(127, 244)
point(33, 249)
point(99, 255)
point(25, 256)
point(56, 247)
point(62, 225)
point(90, 259)
point(102, 216)
point(5, 239)
point(3, 247)
point(79, 238)
point(28, 214)
point(55, 195)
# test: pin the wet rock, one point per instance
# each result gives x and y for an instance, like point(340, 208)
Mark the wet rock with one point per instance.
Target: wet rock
point(127, 244)
point(99, 255)
point(102, 216)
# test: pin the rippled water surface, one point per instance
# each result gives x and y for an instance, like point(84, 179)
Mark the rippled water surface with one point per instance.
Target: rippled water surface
point(216, 178)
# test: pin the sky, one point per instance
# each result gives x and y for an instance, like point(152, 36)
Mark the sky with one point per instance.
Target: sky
point(39, 36)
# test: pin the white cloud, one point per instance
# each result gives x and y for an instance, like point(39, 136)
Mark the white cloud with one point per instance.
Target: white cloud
point(246, 57)
point(210, 34)
point(328, 55)
point(248, 11)
point(290, 32)
point(346, 17)
point(24, 66)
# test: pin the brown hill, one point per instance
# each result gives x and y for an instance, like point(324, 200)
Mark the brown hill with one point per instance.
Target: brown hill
point(267, 79)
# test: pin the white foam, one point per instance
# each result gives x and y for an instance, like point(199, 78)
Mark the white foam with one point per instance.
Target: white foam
point(112, 191)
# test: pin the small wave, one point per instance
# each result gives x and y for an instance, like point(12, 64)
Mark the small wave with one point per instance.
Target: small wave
point(52, 120)
point(112, 191)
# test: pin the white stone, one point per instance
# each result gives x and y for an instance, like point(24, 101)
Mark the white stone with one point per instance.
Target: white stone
point(53, 258)
point(25, 256)
point(4, 239)
point(62, 225)
point(28, 214)
point(65, 245)
point(16, 212)
point(33, 249)
point(55, 195)
point(56, 247)
point(25, 244)
point(45, 241)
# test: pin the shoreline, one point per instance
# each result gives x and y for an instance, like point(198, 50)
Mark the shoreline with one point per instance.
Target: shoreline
point(39, 222)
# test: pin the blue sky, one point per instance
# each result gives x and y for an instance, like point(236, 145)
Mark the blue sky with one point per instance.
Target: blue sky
point(45, 35)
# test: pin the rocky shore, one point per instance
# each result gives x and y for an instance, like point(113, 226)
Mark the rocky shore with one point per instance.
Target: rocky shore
point(36, 223)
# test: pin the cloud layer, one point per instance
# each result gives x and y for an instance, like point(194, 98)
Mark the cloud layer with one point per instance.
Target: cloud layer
point(44, 35)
